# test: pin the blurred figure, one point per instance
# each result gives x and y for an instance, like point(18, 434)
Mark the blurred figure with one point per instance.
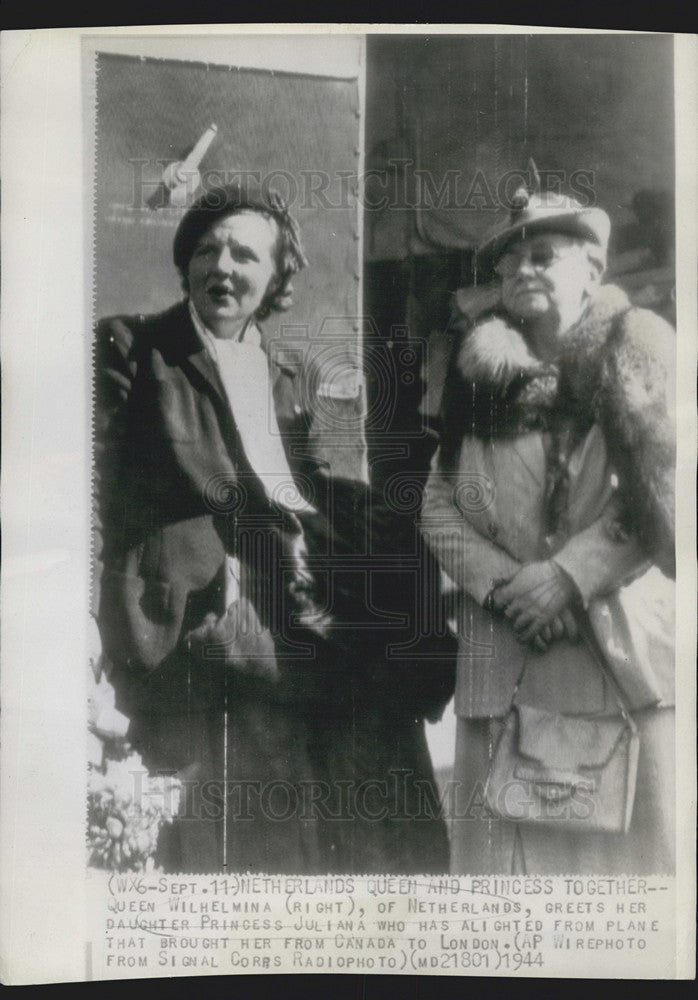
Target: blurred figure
point(644, 262)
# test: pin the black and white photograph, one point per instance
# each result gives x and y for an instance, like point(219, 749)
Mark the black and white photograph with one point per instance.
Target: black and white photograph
point(380, 346)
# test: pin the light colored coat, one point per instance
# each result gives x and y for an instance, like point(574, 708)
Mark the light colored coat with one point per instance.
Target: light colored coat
point(484, 515)
point(483, 522)
point(485, 518)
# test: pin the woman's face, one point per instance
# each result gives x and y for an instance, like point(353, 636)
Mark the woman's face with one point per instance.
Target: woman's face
point(546, 275)
point(231, 269)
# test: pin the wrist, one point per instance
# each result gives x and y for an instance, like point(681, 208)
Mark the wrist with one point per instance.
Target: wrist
point(566, 582)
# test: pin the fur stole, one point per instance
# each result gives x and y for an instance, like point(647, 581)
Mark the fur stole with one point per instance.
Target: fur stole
point(617, 370)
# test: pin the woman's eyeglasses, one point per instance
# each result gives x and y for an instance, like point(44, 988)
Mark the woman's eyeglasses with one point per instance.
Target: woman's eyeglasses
point(539, 256)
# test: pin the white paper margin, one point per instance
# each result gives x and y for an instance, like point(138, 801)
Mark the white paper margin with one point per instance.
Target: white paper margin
point(45, 502)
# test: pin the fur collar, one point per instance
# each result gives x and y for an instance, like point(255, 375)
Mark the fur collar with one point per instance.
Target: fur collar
point(503, 389)
point(496, 352)
point(617, 370)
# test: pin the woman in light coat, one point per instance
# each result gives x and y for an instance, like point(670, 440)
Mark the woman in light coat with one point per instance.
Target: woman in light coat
point(550, 505)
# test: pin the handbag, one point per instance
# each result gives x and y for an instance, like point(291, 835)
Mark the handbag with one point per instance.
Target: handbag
point(570, 772)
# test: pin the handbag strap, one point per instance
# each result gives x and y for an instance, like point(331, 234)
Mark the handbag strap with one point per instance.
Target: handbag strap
point(585, 630)
point(599, 659)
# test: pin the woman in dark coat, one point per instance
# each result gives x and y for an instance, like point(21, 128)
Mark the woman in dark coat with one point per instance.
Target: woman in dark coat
point(223, 650)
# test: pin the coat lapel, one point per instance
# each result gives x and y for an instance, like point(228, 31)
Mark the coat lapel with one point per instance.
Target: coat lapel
point(190, 353)
point(243, 405)
point(202, 363)
point(529, 453)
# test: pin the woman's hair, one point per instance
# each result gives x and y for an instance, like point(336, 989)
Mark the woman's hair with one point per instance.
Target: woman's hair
point(217, 203)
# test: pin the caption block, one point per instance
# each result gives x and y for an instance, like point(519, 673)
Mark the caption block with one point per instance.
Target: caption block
point(167, 925)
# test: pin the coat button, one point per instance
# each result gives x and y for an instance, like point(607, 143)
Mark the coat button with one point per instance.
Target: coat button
point(492, 529)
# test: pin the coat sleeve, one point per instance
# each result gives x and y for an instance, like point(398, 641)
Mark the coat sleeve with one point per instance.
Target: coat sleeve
point(473, 562)
point(598, 560)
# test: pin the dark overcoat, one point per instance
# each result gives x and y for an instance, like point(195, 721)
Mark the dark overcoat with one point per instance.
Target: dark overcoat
point(283, 700)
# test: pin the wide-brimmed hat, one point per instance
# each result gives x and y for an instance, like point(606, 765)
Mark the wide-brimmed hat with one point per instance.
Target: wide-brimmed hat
point(547, 212)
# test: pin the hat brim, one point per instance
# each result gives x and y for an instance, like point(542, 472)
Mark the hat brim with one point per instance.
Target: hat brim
point(591, 224)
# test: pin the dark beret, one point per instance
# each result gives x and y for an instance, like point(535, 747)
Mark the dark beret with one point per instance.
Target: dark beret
point(215, 204)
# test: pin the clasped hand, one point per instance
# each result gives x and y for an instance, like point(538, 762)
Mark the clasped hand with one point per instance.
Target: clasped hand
point(537, 603)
